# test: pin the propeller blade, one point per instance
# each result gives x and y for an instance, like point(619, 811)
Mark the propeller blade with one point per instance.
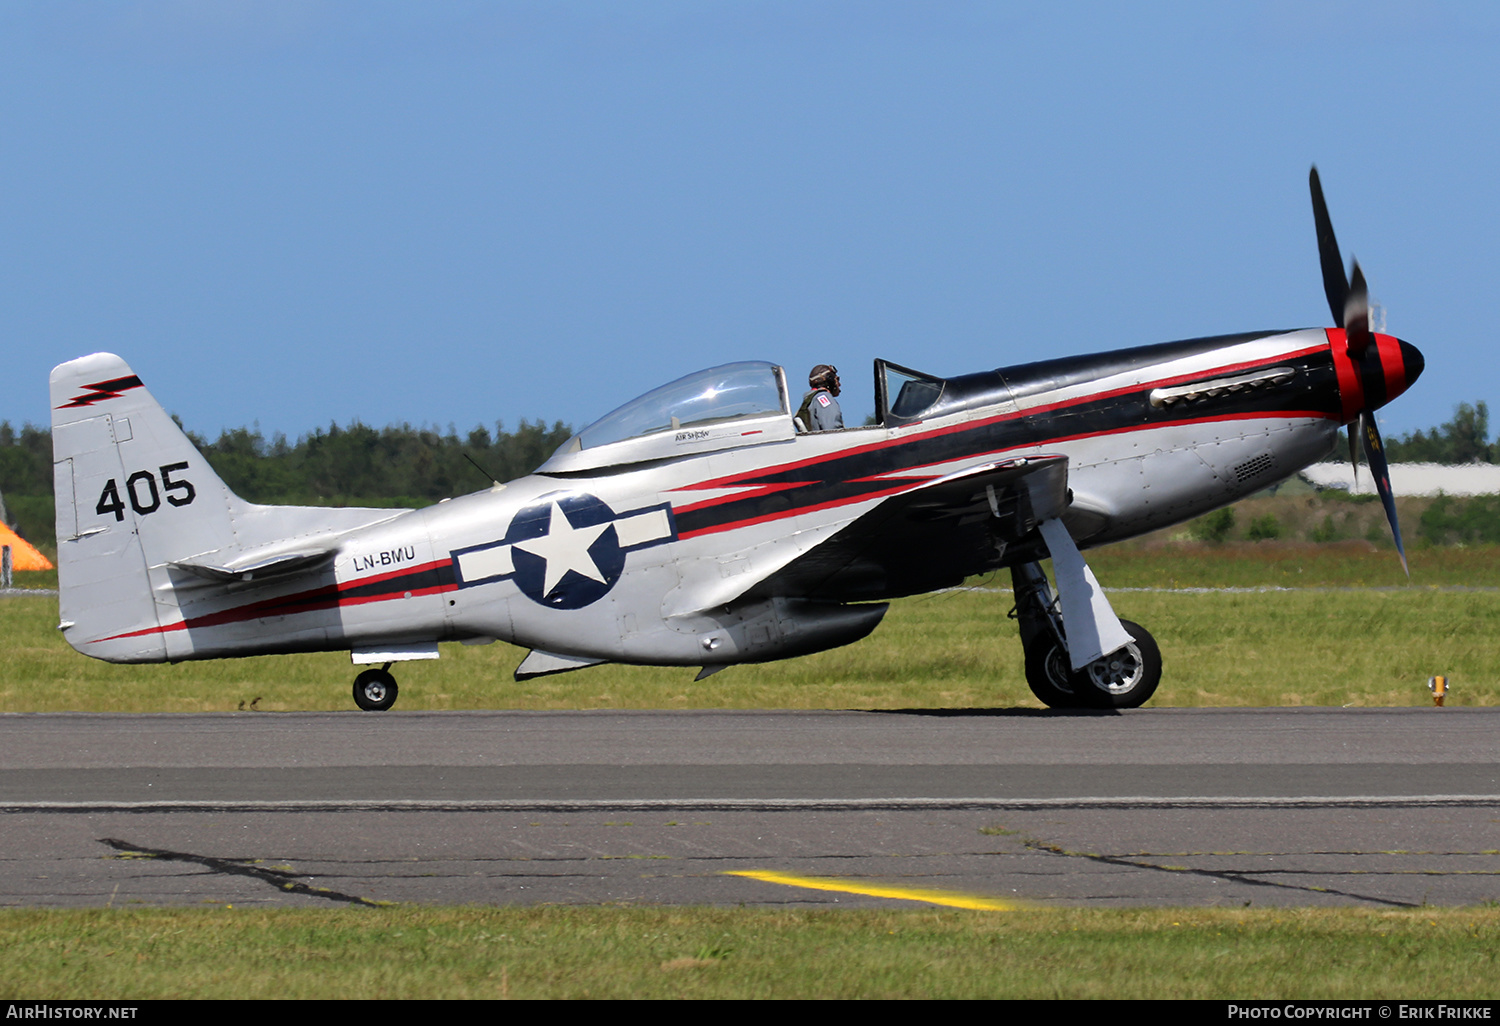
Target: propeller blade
point(1380, 470)
point(1335, 284)
point(1357, 314)
point(1353, 454)
point(1349, 302)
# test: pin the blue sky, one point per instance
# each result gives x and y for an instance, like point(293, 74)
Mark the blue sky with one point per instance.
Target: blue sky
point(291, 212)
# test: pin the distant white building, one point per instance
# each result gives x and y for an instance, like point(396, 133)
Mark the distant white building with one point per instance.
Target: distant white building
point(1410, 478)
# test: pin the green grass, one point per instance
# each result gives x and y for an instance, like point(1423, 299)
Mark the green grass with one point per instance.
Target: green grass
point(1282, 564)
point(1307, 646)
point(619, 952)
point(1310, 645)
point(35, 579)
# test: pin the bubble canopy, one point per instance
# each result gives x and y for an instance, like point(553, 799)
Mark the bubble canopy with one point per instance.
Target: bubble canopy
point(708, 406)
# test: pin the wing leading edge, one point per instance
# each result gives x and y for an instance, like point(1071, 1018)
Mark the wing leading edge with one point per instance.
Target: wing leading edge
point(931, 536)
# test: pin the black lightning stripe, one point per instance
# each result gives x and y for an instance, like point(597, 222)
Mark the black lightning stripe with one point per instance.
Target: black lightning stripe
point(846, 477)
point(102, 390)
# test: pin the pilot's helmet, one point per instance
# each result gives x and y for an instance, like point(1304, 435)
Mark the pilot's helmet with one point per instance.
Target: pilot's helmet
point(822, 376)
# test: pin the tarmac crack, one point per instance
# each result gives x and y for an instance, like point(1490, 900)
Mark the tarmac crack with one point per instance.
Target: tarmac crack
point(283, 880)
point(1249, 877)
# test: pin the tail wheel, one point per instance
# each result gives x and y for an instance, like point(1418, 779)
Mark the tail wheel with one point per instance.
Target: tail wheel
point(375, 691)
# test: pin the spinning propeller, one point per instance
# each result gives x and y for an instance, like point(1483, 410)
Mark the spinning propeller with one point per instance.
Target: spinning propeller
point(1349, 301)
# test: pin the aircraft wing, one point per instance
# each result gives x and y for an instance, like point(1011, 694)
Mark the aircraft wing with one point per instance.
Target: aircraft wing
point(931, 536)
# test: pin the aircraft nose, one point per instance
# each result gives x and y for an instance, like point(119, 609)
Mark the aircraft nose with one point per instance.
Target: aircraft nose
point(1411, 360)
point(1368, 380)
point(1391, 366)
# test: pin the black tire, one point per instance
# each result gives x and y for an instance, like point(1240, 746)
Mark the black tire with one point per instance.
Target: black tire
point(375, 691)
point(1125, 679)
point(1049, 675)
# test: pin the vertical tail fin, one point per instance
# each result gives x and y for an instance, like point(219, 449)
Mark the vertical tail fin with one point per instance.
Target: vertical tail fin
point(132, 494)
point(152, 545)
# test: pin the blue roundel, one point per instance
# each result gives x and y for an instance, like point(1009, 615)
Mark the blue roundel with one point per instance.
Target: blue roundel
point(565, 550)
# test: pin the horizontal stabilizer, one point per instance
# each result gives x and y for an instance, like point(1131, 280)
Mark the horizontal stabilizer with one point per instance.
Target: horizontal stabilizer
point(258, 569)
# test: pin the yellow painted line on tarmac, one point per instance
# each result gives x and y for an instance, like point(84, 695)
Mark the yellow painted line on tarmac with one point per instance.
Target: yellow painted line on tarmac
point(954, 899)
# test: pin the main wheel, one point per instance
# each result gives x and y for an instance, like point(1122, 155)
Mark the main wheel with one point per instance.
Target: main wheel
point(375, 691)
point(1124, 679)
point(1049, 675)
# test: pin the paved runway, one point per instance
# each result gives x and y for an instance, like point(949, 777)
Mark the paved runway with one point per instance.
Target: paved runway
point(1155, 806)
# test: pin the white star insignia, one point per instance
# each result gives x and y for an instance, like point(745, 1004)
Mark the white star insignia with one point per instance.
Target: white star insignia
point(565, 547)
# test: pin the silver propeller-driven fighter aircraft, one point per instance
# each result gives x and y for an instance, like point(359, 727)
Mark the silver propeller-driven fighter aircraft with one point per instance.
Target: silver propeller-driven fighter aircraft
point(698, 526)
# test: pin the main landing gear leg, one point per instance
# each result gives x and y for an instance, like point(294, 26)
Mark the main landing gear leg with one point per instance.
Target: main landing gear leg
point(1042, 637)
point(375, 690)
point(1123, 679)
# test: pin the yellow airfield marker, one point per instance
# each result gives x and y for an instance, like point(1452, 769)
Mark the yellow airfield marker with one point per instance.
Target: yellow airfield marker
point(954, 899)
point(1439, 688)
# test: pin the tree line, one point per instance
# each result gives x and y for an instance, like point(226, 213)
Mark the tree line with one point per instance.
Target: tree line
point(401, 465)
point(357, 465)
point(1464, 439)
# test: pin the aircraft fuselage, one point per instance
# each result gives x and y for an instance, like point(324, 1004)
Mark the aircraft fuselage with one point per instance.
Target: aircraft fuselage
point(647, 562)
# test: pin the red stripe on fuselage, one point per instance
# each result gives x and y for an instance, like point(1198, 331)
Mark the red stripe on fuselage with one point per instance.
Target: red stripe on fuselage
point(745, 478)
point(909, 435)
point(745, 492)
point(783, 514)
point(327, 597)
point(1169, 382)
point(908, 485)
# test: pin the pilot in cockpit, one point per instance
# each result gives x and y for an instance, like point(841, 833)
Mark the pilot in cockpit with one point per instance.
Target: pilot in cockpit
point(820, 407)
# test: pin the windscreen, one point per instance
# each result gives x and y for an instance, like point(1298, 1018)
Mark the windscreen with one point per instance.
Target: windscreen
point(908, 393)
